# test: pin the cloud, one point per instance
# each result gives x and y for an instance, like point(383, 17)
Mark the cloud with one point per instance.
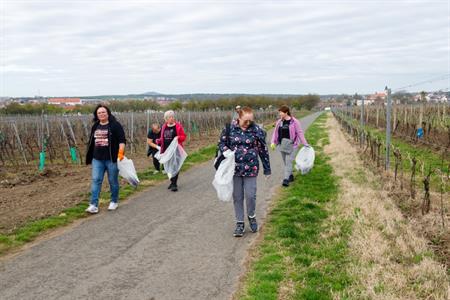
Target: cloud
point(105, 47)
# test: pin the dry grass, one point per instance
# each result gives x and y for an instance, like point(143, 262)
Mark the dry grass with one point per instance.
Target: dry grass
point(392, 260)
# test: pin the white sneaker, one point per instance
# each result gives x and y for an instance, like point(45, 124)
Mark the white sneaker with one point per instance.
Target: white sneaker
point(164, 172)
point(92, 209)
point(113, 205)
point(155, 172)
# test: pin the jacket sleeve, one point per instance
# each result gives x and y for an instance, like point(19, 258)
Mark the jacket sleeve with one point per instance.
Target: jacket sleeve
point(263, 151)
point(223, 141)
point(181, 135)
point(300, 137)
point(120, 134)
point(274, 139)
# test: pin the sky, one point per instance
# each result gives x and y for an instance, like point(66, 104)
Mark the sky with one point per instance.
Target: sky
point(86, 48)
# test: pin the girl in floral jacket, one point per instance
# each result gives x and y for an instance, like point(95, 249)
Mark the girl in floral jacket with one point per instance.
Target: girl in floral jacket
point(248, 140)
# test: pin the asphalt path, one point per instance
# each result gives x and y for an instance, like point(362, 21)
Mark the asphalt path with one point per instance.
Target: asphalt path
point(157, 245)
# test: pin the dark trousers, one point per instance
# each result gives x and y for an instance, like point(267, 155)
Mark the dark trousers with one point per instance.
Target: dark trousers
point(156, 164)
point(174, 179)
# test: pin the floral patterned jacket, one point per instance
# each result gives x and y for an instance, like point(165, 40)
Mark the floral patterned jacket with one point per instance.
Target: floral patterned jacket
point(248, 144)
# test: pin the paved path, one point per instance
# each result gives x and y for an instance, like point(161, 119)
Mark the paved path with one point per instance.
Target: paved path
point(157, 245)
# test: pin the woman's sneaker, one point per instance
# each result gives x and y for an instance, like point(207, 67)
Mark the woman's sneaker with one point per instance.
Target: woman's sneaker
point(113, 205)
point(285, 182)
point(291, 178)
point(240, 229)
point(253, 224)
point(92, 209)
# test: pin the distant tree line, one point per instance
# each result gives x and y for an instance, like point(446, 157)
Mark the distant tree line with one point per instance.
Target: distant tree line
point(256, 102)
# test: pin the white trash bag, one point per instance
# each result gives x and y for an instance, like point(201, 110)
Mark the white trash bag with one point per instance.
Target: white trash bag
point(223, 180)
point(173, 158)
point(127, 171)
point(304, 161)
point(157, 155)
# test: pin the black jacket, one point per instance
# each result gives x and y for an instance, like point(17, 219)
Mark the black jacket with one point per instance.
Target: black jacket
point(116, 137)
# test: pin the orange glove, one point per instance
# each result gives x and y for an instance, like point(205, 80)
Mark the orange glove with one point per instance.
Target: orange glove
point(120, 155)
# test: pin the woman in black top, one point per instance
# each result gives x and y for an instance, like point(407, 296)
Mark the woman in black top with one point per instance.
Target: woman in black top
point(106, 146)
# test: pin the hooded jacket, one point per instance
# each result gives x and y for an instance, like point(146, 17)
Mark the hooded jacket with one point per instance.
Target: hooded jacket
point(116, 136)
point(180, 134)
point(248, 144)
point(295, 133)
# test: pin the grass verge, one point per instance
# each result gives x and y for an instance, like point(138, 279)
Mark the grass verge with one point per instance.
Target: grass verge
point(33, 229)
point(304, 251)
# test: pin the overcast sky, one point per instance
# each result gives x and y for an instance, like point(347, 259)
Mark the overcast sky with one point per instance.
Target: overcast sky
point(78, 48)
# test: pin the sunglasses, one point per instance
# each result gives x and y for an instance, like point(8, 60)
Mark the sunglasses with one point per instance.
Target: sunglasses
point(248, 122)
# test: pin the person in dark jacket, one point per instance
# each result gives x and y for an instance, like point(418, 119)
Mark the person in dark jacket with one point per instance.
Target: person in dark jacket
point(248, 141)
point(106, 146)
point(152, 135)
point(169, 131)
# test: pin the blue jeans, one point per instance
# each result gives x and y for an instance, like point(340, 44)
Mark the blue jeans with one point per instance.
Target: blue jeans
point(99, 167)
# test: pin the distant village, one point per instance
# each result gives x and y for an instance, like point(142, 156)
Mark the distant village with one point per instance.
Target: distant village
point(380, 98)
point(377, 98)
point(72, 102)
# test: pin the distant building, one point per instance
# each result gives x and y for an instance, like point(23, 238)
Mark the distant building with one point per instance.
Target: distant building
point(366, 102)
point(376, 98)
point(65, 101)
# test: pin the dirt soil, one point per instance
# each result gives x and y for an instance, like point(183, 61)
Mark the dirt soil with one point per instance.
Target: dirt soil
point(26, 194)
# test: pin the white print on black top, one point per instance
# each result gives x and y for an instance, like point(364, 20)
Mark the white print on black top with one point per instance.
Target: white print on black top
point(101, 138)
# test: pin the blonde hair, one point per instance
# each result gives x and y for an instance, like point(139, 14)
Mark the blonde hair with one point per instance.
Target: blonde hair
point(169, 113)
point(245, 110)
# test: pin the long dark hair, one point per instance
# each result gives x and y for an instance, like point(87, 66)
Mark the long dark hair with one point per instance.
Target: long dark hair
point(111, 118)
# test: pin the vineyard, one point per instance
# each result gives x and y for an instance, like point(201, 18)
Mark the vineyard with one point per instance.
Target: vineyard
point(25, 140)
point(419, 124)
point(417, 169)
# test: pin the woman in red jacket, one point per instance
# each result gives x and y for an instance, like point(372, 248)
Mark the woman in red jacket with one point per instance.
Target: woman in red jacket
point(169, 131)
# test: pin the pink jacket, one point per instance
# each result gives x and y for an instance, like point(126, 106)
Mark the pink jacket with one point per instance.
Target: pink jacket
point(295, 133)
point(180, 134)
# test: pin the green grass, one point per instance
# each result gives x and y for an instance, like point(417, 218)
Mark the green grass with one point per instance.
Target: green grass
point(301, 244)
point(29, 231)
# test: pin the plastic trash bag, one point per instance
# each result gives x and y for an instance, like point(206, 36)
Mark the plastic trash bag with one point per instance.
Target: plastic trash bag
point(173, 158)
point(304, 161)
point(157, 155)
point(127, 171)
point(223, 180)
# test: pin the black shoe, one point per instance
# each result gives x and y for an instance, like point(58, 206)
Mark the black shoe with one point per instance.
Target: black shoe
point(253, 224)
point(174, 188)
point(170, 186)
point(240, 229)
point(291, 178)
point(285, 182)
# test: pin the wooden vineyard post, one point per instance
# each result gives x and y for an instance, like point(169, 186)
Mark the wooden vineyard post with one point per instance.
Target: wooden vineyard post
point(132, 132)
point(63, 132)
point(148, 129)
point(378, 115)
point(19, 142)
point(388, 129)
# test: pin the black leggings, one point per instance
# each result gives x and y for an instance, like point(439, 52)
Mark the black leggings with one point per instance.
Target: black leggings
point(156, 164)
point(174, 179)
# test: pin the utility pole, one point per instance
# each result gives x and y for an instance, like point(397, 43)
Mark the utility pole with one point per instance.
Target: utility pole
point(388, 127)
